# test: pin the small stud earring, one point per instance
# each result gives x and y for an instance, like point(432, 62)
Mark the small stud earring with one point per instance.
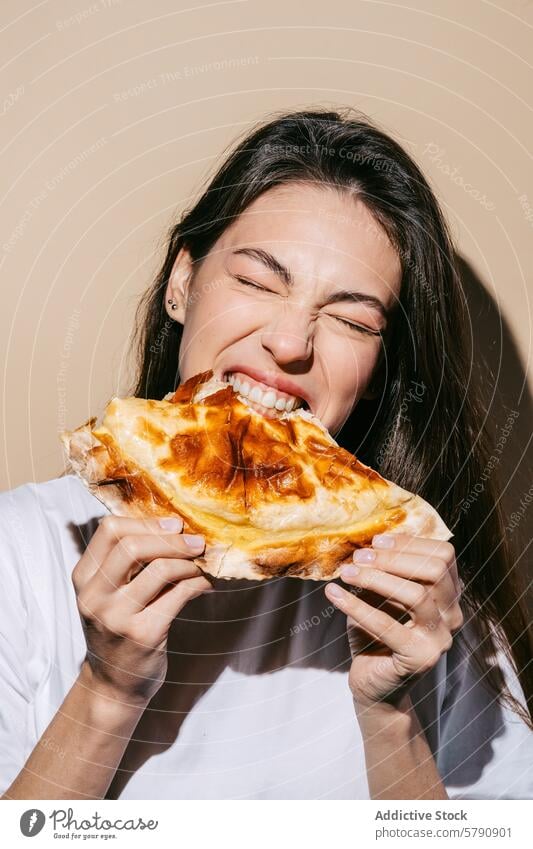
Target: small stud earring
point(173, 304)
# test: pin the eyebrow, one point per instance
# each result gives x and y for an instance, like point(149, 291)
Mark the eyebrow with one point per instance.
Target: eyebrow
point(270, 261)
point(274, 265)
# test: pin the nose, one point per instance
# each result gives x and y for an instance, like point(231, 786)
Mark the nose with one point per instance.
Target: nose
point(289, 336)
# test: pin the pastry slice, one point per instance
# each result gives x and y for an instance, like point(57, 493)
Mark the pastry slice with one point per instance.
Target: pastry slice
point(273, 497)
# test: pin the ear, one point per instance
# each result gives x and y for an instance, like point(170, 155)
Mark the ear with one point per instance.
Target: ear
point(178, 285)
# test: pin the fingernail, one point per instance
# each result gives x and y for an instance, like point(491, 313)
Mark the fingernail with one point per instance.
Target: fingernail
point(350, 571)
point(364, 555)
point(383, 541)
point(194, 540)
point(335, 590)
point(171, 524)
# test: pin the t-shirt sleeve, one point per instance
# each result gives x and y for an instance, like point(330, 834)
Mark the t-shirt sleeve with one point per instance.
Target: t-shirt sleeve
point(16, 691)
point(485, 747)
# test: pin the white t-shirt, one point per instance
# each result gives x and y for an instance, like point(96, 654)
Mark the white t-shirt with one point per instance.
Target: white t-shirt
point(261, 707)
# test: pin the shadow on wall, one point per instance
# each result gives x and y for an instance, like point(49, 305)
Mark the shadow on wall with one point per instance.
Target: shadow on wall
point(507, 400)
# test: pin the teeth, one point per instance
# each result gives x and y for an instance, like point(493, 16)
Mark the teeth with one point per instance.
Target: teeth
point(256, 395)
point(268, 398)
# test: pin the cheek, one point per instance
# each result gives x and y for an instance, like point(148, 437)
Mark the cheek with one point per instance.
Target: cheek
point(221, 315)
point(213, 321)
point(347, 370)
point(348, 366)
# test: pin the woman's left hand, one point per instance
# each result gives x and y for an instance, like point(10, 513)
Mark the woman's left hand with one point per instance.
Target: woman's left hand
point(418, 578)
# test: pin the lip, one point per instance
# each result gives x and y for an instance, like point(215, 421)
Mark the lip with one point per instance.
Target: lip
point(276, 381)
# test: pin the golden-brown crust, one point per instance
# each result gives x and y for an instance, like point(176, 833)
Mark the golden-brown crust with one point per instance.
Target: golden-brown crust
point(273, 497)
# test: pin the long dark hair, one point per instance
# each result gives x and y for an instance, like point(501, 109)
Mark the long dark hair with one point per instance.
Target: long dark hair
point(424, 432)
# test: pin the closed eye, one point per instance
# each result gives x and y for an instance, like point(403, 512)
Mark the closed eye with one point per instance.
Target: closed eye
point(358, 327)
point(249, 283)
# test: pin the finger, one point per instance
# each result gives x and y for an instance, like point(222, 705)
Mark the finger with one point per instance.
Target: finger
point(415, 598)
point(377, 623)
point(132, 552)
point(407, 543)
point(451, 613)
point(154, 578)
point(166, 607)
point(111, 529)
point(426, 569)
point(416, 544)
point(393, 608)
point(423, 568)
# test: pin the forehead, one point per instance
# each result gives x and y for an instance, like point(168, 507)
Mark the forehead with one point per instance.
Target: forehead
point(320, 234)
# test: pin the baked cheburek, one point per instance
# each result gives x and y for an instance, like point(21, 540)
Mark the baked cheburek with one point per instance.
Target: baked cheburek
point(272, 497)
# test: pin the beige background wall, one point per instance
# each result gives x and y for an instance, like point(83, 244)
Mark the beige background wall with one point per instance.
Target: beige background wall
point(113, 111)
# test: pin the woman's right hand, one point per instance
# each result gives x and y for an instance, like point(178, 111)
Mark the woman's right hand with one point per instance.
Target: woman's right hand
point(135, 576)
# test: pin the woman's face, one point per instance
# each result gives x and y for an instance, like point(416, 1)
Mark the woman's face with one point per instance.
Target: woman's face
point(292, 301)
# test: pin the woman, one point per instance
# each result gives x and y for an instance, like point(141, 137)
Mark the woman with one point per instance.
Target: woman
point(316, 263)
